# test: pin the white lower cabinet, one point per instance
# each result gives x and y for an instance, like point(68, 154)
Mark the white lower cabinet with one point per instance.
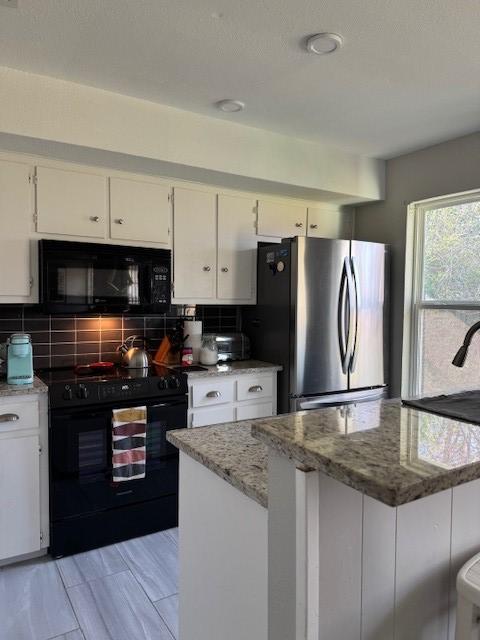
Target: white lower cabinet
point(23, 476)
point(227, 398)
point(19, 496)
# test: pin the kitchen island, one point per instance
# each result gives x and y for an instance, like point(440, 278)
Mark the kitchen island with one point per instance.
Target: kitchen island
point(372, 509)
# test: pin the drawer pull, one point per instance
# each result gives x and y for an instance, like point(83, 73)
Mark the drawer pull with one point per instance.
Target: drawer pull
point(120, 221)
point(9, 417)
point(314, 226)
point(207, 268)
point(95, 218)
point(255, 389)
point(214, 394)
point(299, 224)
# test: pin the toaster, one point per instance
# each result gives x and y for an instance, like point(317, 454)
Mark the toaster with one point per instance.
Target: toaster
point(231, 346)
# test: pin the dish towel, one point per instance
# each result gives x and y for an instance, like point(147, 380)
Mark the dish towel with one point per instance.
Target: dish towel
point(129, 435)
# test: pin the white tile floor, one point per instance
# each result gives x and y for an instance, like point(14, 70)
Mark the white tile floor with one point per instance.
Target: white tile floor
point(127, 591)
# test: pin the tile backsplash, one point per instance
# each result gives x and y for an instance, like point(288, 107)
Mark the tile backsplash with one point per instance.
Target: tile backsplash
point(71, 340)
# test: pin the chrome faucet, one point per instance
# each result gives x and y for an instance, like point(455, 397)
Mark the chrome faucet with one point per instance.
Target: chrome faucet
point(461, 355)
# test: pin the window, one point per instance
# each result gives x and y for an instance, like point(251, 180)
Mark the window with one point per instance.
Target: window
point(445, 293)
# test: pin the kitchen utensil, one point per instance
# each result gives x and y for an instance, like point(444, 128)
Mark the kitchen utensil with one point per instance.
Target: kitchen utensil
point(135, 357)
point(93, 367)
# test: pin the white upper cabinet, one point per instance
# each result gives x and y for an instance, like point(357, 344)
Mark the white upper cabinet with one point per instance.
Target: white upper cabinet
point(16, 215)
point(195, 247)
point(71, 202)
point(327, 221)
point(140, 211)
point(281, 219)
point(237, 243)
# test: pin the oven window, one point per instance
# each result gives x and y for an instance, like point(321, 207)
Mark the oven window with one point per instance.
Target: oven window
point(92, 448)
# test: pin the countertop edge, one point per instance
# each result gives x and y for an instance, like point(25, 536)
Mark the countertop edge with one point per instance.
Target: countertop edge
point(13, 390)
point(220, 471)
point(262, 367)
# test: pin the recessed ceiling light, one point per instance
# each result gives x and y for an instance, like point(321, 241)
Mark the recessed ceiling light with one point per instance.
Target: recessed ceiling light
point(230, 106)
point(323, 43)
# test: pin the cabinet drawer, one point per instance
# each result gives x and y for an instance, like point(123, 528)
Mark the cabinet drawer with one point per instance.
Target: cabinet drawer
point(252, 411)
point(253, 387)
point(213, 392)
point(17, 416)
point(204, 417)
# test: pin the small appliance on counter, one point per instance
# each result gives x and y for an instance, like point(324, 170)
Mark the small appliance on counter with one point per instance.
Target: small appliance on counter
point(231, 346)
point(19, 359)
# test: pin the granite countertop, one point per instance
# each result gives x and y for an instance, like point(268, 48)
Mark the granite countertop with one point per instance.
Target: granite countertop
point(21, 389)
point(234, 368)
point(390, 452)
point(229, 451)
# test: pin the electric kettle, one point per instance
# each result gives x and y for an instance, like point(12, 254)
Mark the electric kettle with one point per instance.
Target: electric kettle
point(135, 357)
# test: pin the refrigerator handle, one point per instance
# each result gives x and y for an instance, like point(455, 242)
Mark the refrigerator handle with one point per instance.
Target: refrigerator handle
point(350, 315)
point(356, 300)
point(342, 310)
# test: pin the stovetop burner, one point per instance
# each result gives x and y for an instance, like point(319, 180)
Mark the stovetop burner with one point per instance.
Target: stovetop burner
point(62, 374)
point(70, 389)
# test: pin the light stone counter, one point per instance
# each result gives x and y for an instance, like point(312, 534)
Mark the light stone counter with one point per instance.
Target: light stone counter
point(393, 453)
point(21, 389)
point(229, 451)
point(234, 368)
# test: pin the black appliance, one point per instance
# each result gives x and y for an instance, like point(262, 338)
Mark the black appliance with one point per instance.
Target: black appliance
point(88, 509)
point(80, 277)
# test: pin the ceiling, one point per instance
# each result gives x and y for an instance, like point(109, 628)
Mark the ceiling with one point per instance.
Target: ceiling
point(407, 76)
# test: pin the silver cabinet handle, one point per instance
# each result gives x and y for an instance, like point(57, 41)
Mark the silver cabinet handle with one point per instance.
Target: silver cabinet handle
point(225, 269)
point(9, 417)
point(206, 268)
point(95, 218)
point(314, 226)
point(120, 221)
point(299, 224)
point(255, 389)
point(213, 394)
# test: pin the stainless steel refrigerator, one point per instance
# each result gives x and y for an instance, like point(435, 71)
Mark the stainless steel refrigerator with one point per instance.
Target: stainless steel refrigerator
point(322, 314)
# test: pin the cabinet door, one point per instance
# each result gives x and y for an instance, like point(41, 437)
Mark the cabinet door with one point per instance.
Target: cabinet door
point(280, 219)
point(329, 222)
point(16, 215)
point(139, 211)
point(254, 411)
point(71, 203)
point(19, 497)
point(216, 415)
point(237, 243)
point(194, 229)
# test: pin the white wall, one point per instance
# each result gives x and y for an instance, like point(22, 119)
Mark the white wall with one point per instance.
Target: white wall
point(60, 111)
point(446, 168)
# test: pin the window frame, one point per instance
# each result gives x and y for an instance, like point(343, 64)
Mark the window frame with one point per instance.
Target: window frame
point(414, 302)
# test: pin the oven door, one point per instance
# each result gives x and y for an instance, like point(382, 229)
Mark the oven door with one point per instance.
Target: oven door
point(81, 459)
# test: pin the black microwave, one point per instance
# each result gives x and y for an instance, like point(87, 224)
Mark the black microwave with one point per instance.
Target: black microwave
point(81, 277)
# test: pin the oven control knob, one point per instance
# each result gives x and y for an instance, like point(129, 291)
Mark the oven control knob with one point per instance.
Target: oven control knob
point(162, 384)
point(82, 392)
point(67, 393)
point(173, 383)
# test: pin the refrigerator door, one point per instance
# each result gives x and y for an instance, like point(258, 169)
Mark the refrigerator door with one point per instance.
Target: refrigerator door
point(320, 306)
point(338, 399)
point(368, 362)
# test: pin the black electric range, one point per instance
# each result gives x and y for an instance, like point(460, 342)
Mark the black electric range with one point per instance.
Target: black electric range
point(89, 506)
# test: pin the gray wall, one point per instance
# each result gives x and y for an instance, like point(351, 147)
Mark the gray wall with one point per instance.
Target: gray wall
point(446, 168)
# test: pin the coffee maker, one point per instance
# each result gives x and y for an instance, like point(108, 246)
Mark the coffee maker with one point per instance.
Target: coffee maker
point(19, 359)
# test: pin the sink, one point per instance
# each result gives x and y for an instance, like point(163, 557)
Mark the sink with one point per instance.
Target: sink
point(462, 406)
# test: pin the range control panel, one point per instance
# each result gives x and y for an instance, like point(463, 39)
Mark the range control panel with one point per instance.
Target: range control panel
point(75, 394)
